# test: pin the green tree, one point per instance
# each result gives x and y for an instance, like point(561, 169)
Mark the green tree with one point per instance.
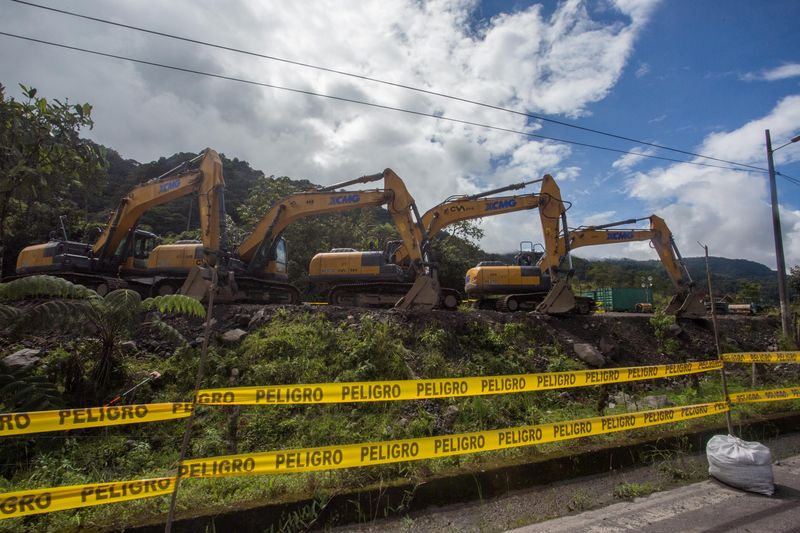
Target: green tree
point(749, 292)
point(45, 167)
point(794, 280)
point(119, 316)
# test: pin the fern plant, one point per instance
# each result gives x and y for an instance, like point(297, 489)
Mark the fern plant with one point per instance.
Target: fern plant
point(20, 390)
point(119, 316)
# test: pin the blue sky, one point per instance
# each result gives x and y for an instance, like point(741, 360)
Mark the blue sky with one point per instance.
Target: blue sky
point(704, 76)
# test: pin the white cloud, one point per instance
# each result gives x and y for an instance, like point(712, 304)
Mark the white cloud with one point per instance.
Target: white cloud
point(559, 63)
point(643, 70)
point(789, 70)
point(602, 217)
point(628, 161)
point(727, 210)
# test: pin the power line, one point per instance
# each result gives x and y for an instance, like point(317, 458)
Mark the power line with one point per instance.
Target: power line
point(372, 104)
point(789, 178)
point(385, 82)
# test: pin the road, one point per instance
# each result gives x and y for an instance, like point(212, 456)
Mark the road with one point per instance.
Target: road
point(708, 506)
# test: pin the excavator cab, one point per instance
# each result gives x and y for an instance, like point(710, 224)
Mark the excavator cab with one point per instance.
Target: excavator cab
point(142, 244)
point(528, 254)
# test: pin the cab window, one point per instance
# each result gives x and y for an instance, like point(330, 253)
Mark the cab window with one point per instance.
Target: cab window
point(280, 256)
point(143, 246)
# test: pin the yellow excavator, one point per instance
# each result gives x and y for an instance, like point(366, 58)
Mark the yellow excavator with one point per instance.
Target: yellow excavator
point(256, 270)
point(124, 256)
point(527, 285)
point(351, 269)
point(686, 301)
point(484, 280)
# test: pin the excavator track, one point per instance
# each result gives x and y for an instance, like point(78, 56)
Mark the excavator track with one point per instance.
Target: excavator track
point(255, 290)
point(382, 294)
point(513, 303)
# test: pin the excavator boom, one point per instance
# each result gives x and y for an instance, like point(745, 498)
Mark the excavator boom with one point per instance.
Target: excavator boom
point(122, 255)
point(463, 208)
point(207, 181)
point(685, 302)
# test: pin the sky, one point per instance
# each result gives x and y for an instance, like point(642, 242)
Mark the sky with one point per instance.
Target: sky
point(704, 77)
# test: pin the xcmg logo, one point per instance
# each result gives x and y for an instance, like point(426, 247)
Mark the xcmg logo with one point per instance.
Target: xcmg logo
point(619, 235)
point(500, 204)
point(347, 199)
point(170, 185)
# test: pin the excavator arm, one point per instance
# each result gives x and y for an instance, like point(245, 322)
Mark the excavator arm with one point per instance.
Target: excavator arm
point(685, 301)
point(460, 208)
point(256, 252)
point(207, 180)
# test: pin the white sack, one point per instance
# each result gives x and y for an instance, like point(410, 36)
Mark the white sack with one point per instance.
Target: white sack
point(741, 464)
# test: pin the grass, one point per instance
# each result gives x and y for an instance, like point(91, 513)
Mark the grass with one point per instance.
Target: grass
point(311, 348)
point(628, 491)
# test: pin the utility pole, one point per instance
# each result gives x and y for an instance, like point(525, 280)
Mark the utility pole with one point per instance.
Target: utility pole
point(786, 319)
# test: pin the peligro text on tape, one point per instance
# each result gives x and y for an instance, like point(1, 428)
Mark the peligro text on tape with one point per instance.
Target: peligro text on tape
point(771, 395)
point(377, 391)
point(761, 357)
point(374, 453)
point(66, 419)
point(37, 501)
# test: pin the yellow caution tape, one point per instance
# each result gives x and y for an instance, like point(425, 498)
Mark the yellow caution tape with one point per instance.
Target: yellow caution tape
point(380, 391)
point(376, 453)
point(772, 395)
point(66, 419)
point(37, 501)
point(761, 357)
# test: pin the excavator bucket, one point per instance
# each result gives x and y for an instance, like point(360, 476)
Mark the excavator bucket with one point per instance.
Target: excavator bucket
point(423, 295)
point(559, 300)
point(686, 305)
point(198, 283)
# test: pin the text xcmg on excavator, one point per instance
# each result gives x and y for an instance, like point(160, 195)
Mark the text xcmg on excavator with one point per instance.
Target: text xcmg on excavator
point(124, 256)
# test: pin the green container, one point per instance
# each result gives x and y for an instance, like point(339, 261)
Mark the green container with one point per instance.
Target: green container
point(622, 298)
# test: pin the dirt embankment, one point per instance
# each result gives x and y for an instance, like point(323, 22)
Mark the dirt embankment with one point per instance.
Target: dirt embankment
point(623, 339)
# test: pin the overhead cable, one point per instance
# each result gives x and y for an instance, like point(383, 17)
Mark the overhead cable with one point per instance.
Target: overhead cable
point(375, 105)
point(385, 82)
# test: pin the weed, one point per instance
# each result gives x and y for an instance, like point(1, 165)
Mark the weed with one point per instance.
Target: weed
point(627, 491)
point(581, 501)
point(661, 323)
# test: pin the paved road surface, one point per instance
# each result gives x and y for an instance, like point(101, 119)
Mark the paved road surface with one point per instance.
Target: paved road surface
point(708, 506)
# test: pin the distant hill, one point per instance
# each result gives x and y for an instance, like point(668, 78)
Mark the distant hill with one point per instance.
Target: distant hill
point(728, 275)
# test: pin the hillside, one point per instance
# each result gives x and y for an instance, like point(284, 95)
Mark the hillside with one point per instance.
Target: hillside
point(306, 344)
